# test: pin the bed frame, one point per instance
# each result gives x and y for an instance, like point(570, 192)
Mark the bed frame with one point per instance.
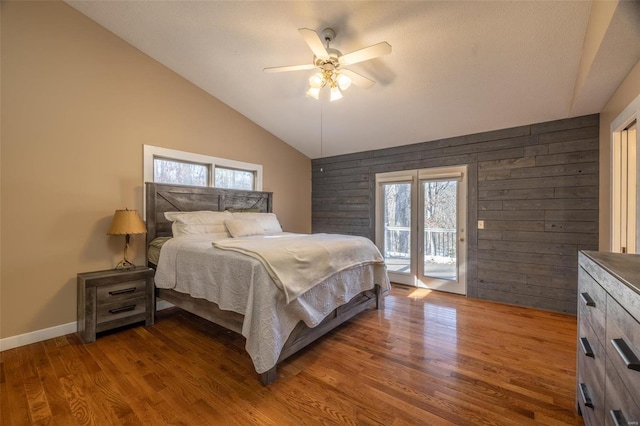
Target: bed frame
point(161, 198)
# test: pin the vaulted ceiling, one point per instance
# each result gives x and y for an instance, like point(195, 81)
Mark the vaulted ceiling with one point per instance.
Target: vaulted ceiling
point(457, 67)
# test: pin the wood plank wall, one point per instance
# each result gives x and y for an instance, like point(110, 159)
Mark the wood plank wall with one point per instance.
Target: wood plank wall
point(535, 187)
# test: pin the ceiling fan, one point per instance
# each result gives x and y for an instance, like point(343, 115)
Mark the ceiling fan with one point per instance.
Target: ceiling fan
point(331, 64)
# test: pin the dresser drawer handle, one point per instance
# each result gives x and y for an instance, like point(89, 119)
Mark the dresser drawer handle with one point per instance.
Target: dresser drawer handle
point(586, 347)
point(618, 418)
point(123, 309)
point(123, 291)
point(584, 393)
point(628, 357)
point(587, 299)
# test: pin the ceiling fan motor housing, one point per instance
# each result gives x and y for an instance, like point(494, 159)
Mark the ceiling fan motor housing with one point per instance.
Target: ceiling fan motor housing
point(328, 35)
point(332, 60)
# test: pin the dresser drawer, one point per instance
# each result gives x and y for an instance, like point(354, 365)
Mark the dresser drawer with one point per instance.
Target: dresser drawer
point(623, 345)
point(121, 291)
point(593, 355)
point(620, 406)
point(590, 393)
point(592, 302)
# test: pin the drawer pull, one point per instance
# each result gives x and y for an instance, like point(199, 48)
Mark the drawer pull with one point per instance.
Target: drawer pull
point(123, 291)
point(586, 347)
point(584, 393)
point(628, 357)
point(618, 418)
point(123, 309)
point(587, 299)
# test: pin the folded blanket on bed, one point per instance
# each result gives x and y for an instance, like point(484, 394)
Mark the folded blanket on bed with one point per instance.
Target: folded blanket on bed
point(298, 262)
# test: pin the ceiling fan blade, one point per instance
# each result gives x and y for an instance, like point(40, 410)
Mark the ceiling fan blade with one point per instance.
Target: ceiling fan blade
point(290, 68)
point(365, 54)
point(313, 41)
point(357, 79)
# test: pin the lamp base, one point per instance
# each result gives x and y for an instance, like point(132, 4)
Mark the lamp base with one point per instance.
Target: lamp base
point(125, 264)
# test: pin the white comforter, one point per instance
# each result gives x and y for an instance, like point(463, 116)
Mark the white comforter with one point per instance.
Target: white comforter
point(298, 262)
point(239, 283)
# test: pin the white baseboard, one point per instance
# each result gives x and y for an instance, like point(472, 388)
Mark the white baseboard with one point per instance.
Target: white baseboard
point(37, 336)
point(53, 332)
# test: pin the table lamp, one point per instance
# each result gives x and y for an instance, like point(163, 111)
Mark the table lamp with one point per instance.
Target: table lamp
point(126, 222)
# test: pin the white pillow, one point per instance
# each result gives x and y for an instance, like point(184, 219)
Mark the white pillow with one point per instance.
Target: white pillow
point(243, 227)
point(200, 222)
point(269, 221)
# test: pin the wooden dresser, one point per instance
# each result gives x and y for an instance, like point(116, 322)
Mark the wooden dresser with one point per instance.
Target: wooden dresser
point(608, 346)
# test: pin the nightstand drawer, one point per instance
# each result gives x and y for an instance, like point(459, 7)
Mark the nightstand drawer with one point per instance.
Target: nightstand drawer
point(121, 291)
point(120, 309)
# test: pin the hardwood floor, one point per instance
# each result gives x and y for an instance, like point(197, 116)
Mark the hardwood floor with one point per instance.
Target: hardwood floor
point(428, 358)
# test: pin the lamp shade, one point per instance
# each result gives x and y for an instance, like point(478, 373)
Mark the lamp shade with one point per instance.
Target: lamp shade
point(126, 222)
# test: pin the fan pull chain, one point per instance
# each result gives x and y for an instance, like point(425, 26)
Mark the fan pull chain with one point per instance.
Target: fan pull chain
point(321, 168)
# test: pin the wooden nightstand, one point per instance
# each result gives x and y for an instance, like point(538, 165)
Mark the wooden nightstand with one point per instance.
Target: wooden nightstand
point(113, 298)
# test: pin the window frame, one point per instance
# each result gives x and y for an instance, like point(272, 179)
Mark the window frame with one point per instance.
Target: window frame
point(150, 153)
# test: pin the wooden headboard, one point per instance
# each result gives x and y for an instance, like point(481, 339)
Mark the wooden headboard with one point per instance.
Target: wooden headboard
point(163, 197)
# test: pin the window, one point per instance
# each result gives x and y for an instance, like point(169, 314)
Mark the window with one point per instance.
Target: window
point(185, 168)
point(233, 178)
point(167, 170)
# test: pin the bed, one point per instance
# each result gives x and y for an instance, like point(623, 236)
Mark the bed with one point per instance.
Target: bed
point(327, 305)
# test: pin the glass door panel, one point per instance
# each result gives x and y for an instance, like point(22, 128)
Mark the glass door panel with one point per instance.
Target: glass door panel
point(443, 205)
point(440, 229)
point(396, 229)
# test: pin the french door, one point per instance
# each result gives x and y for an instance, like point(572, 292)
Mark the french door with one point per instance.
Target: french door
point(421, 226)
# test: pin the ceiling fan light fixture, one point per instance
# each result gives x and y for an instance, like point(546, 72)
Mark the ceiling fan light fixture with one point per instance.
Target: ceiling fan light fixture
point(314, 92)
point(331, 64)
point(336, 94)
point(316, 80)
point(344, 82)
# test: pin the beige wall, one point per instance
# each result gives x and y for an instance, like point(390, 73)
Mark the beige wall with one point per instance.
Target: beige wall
point(623, 96)
point(78, 103)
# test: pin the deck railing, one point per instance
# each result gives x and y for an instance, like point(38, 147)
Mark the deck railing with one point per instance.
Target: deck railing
point(437, 242)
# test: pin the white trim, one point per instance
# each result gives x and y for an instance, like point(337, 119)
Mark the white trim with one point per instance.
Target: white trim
point(622, 121)
point(442, 173)
point(37, 336)
point(53, 332)
point(404, 175)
